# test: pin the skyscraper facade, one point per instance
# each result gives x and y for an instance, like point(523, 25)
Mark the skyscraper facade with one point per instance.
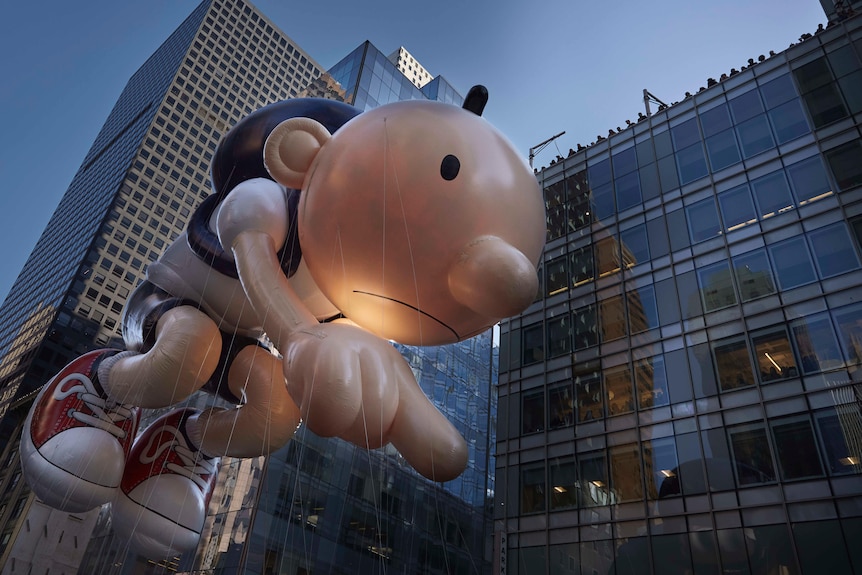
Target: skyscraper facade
point(683, 396)
point(316, 502)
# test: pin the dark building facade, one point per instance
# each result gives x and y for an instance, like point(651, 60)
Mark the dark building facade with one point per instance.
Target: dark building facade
point(684, 394)
point(317, 505)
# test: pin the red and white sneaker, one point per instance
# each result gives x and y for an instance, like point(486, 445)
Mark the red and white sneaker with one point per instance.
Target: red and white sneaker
point(163, 498)
point(75, 441)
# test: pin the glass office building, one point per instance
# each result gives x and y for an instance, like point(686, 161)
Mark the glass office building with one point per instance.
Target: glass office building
point(315, 505)
point(684, 394)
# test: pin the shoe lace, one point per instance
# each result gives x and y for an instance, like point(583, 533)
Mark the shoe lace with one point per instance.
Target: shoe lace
point(194, 463)
point(105, 414)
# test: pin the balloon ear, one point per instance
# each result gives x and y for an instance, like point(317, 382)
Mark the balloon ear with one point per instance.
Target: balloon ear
point(290, 149)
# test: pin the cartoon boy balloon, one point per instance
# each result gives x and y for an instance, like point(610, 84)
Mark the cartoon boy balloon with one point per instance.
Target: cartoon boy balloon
point(328, 233)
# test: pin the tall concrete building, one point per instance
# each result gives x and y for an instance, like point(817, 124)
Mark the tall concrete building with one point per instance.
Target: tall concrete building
point(684, 394)
point(317, 504)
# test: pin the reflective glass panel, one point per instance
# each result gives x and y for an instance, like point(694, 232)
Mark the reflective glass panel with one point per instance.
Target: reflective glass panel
point(716, 286)
point(593, 475)
point(755, 136)
point(626, 476)
point(559, 335)
point(651, 382)
point(777, 91)
point(613, 318)
point(703, 221)
point(849, 322)
point(833, 250)
point(821, 547)
point(813, 75)
point(691, 478)
point(733, 364)
point(792, 263)
point(557, 280)
point(715, 120)
point(659, 456)
point(602, 202)
point(668, 175)
point(788, 121)
point(564, 483)
point(745, 106)
point(628, 191)
point(534, 345)
point(635, 246)
point(774, 356)
point(600, 173)
point(644, 152)
point(582, 266)
point(722, 149)
point(691, 163)
point(649, 182)
point(815, 342)
point(846, 164)
point(618, 386)
point(561, 406)
point(607, 256)
point(809, 180)
point(825, 105)
point(839, 434)
point(586, 327)
point(533, 488)
point(772, 194)
point(643, 313)
point(590, 398)
point(663, 146)
point(751, 455)
point(685, 134)
point(625, 162)
point(533, 411)
point(737, 209)
point(795, 448)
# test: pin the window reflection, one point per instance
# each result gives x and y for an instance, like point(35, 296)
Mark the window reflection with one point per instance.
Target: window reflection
point(716, 286)
point(753, 275)
point(792, 263)
point(733, 364)
point(772, 194)
point(661, 466)
point(533, 488)
point(737, 209)
point(849, 322)
point(618, 385)
point(561, 406)
point(533, 412)
point(586, 327)
point(833, 250)
point(815, 343)
point(796, 449)
point(557, 280)
point(634, 243)
point(651, 382)
point(564, 483)
point(559, 335)
point(626, 478)
point(755, 136)
point(774, 356)
point(582, 267)
point(752, 458)
point(703, 220)
point(643, 313)
point(588, 390)
point(613, 319)
point(840, 430)
point(534, 345)
point(607, 257)
point(594, 488)
point(846, 164)
point(809, 180)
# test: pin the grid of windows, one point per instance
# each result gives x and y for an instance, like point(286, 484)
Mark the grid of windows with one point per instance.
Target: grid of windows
point(683, 392)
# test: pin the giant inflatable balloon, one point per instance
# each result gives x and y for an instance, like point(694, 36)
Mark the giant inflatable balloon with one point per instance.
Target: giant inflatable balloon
point(328, 233)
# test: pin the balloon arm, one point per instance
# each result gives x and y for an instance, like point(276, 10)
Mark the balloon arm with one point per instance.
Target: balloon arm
point(278, 307)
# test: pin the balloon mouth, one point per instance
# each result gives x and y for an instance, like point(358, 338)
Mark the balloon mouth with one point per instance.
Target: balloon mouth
point(414, 308)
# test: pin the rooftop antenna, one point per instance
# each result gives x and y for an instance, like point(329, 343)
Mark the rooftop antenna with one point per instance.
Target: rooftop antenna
point(649, 97)
point(539, 147)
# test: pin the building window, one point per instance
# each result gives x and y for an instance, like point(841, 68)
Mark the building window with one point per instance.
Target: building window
point(774, 356)
point(533, 412)
point(626, 476)
point(737, 209)
point(733, 364)
point(838, 428)
point(607, 257)
point(564, 483)
point(659, 456)
point(582, 266)
point(716, 286)
point(534, 345)
point(755, 136)
point(613, 318)
point(723, 150)
point(849, 322)
point(788, 121)
point(809, 180)
point(703, 221)
point(691, 163)
point(846, 164)
point(634, 246)
point(833, 250)
point(618, 386)
point(751, 456)
point(559, 335)
point(772, 194)
point(815, 343)
point(792, 263)
point(746, 106)
point(590, 398)
point(643, 312)
point(796, 449)
point(533, 488)
point(651, 382)
point(753, 275)
point(593, 472)
point(586, 327)
point(561, 406)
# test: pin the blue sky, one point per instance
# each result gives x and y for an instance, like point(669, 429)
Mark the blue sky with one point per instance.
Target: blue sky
point(550, 65)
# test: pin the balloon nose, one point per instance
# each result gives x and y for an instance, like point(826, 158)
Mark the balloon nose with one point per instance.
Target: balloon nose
point(493, 278)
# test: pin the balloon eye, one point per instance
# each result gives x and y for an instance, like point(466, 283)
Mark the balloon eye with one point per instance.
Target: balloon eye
point(450, 167)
